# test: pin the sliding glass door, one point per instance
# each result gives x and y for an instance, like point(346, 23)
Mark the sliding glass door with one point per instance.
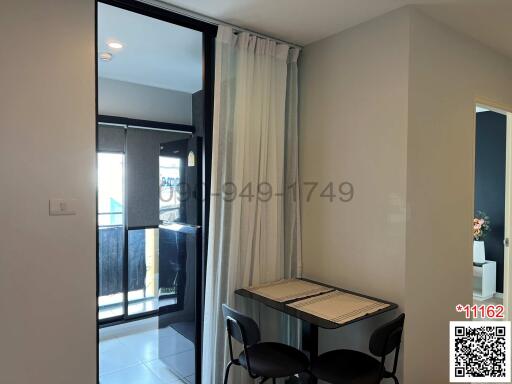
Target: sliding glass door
point(146, 213)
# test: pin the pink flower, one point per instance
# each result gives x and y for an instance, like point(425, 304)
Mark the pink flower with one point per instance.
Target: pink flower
point(481, 221)
point(477, 226)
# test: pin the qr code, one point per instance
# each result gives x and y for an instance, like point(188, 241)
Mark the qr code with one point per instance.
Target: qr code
point(480, 351)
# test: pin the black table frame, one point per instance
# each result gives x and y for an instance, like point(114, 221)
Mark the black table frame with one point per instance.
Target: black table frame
point(311, 323)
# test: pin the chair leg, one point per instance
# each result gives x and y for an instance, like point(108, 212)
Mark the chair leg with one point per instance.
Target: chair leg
point(226, 374)
point(273, 380)
point(395, 379)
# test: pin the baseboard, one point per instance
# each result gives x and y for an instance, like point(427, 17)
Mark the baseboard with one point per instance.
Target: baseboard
point(497, 295)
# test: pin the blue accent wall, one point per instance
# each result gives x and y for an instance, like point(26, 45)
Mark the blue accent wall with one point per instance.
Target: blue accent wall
point(490, 162)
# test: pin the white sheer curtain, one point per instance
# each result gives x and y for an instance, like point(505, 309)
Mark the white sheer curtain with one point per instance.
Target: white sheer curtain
point(254, 232)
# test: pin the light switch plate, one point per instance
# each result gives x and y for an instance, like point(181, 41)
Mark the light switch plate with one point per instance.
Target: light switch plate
point(59, 207)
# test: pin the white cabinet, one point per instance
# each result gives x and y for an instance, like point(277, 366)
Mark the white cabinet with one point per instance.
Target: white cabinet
point(484, 280)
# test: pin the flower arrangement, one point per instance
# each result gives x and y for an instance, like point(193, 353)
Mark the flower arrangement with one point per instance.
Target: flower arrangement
point(481, 226)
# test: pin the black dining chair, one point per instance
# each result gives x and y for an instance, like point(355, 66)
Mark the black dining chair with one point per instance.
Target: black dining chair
point(345, 366)
point(261, 360)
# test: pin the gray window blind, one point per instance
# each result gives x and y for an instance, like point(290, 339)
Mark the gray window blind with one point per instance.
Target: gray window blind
point(110, 138)
point(142, 174)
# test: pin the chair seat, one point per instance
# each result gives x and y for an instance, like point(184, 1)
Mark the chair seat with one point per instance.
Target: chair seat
point(346, 367)
point(274, 360)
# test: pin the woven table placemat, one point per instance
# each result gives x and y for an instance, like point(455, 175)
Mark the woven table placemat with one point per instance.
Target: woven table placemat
point(289, 289)
point(338, 307)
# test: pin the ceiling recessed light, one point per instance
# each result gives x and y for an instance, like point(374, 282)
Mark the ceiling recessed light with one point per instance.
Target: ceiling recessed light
point(115, 45)
point(105, 56)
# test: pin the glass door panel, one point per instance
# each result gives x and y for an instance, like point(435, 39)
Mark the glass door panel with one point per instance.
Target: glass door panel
point(110, 234)
point(153, 197)
point(180, 252)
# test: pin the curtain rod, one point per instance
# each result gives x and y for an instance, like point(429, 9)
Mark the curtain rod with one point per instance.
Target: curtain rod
point(197, 16)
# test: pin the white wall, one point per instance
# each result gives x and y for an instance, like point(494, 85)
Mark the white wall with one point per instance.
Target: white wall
point(47, 149)
point(120, 98)
point(390, 106)
point(448, 72)
point(353, 127)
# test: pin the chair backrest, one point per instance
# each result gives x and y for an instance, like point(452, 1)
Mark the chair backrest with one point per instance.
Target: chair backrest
point(240, 327)
point(387, 337)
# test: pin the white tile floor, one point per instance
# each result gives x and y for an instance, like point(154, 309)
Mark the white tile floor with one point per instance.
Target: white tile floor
point(129, 355)
point(493, 300)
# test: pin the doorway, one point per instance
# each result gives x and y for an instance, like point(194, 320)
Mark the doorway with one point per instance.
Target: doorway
point(491, 220)
point(155, 86)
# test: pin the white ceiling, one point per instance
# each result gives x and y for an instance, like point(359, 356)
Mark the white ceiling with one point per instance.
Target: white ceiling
point(305, 21)
point(297, 21)
point(164, 55)
point(155, 53)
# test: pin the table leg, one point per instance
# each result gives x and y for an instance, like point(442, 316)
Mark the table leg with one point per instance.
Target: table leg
point(310, 345)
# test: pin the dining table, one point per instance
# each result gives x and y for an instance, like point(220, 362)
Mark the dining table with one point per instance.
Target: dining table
point(317, 305)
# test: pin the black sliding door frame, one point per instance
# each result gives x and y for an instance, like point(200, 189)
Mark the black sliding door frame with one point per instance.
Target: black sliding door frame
point(209, 32)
